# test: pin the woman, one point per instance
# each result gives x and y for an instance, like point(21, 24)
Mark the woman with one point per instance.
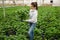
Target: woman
point(33, 19)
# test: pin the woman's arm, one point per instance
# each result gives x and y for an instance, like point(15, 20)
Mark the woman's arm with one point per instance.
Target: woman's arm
point(34, 17)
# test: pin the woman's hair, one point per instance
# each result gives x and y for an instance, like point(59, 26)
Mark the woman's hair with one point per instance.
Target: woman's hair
point(35, 5)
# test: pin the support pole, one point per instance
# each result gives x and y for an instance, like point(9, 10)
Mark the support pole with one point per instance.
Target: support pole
point(3, 8)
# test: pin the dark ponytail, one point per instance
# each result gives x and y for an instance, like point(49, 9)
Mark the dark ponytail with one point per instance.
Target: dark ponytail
point(35, 5)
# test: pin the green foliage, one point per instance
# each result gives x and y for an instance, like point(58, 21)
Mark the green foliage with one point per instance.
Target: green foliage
point(22, 14)
point(48, 23)
point(13, 21)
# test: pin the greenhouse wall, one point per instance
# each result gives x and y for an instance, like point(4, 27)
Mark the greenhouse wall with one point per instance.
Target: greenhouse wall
point(27, 2)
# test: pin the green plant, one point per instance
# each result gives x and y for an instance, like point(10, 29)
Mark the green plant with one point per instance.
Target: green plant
point(22, 14)
point(48, 23)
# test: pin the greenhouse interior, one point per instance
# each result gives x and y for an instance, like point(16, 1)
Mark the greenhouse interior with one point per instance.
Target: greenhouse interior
point(29, 19)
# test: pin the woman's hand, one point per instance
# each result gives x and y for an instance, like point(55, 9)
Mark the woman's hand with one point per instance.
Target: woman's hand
point(25, 20)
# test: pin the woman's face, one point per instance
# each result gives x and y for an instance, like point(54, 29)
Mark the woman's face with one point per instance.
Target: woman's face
point(31, 7)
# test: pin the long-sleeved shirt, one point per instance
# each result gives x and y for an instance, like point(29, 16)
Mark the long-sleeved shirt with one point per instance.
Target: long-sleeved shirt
point(33, 16)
